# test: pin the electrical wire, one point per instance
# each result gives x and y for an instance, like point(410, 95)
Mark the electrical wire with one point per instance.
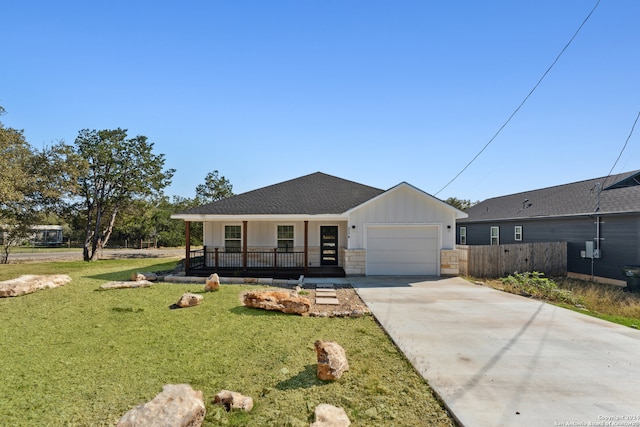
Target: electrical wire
point(623, 148)
point(524, 100)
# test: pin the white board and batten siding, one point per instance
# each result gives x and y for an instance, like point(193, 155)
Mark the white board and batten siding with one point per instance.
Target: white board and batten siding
point(403, 250)
point(402, 232)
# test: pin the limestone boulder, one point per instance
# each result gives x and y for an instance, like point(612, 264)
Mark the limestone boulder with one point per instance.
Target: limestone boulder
point(126, 284)
point(213, 283)
point(330, 416)
point(31, 283)
point(177, 405)
point(150, 277)
point(189, 300)
point(277, 301)
point(233, 400)
point(332, 360)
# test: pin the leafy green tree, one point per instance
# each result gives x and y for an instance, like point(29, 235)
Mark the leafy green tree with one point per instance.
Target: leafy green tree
point(16, 217)
point(170, 232)
point(178, 232)
point(134, 223)
point(461, 204)
point(120, 170)
point(214, 188)
point(55, 171)
point(150, 220)
point(16, 153)
point(33, 184)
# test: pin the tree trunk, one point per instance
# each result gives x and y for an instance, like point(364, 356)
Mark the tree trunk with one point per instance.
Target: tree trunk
point(5, 255)
point(109, 230)
point(95, 240)
point(87, 254)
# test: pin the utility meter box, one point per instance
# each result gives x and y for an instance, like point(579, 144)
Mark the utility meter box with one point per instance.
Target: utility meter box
point(588, 253)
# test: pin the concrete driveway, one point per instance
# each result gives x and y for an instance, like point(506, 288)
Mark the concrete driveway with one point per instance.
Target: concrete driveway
point(497, 359)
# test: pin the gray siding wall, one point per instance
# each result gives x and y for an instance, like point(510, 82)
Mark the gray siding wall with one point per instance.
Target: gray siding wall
point(620, 239)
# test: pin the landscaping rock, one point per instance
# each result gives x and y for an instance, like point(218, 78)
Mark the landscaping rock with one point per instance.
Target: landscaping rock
point(126, 285)
point(276, 300)
point(330, 416)
point(138, 277)
point(189, 300)
point(332, 360)
point(212, 283)
point(233, 400)
point(31, 283)
point(177, 405)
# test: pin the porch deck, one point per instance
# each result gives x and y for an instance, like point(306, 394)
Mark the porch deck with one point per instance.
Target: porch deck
point(289, 273)
point(270, 263)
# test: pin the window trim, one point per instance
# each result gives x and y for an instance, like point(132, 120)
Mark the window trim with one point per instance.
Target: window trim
point(292, 239)
point(496, 236)
point(517, 233)
point(232, 239)
point(463, 235)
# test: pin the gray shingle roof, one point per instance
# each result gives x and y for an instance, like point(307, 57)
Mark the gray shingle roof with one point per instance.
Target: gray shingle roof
point(620, 194)
point(313, 194)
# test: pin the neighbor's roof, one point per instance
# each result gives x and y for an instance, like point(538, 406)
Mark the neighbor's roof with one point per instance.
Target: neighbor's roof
point(620, 194)
point(314, 194)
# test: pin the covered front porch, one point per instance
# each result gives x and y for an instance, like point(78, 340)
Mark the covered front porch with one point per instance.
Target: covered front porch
point(237, 249)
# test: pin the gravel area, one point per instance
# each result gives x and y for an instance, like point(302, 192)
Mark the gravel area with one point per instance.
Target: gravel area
point(350, 303)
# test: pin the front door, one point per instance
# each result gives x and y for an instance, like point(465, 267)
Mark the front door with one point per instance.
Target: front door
point(328, 245)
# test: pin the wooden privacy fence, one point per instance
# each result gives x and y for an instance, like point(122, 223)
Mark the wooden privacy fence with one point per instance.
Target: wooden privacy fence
point(496, 261)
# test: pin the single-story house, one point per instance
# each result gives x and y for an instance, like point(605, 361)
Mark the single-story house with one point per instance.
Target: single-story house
point(598, 218)
point(41, 235)
point(320, 224)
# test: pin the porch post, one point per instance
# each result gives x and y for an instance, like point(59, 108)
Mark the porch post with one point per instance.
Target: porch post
point(187, 258)
point(306, 247)
point(244, 245)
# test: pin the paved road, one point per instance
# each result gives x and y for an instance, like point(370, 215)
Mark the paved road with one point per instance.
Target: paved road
point(72, 255)
point(498, 359)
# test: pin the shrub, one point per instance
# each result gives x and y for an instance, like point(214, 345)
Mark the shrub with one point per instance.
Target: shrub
point(534, 284)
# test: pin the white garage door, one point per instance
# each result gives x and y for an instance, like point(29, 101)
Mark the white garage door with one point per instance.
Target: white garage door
point(402, 250)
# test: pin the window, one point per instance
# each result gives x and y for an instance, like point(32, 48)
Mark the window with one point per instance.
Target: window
point(285, 238)
point(463, 235)
point(232, 236)
point(495, 235)
point(517, 230)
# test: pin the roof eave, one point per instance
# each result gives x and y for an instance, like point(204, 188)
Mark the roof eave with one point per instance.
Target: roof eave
point(259, 217)
point(574, 215)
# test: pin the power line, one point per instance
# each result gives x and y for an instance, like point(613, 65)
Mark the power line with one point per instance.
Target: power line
point(524, 100)
point(623, 148)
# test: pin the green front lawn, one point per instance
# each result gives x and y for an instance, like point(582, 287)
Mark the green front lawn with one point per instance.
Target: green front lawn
point(80, 356)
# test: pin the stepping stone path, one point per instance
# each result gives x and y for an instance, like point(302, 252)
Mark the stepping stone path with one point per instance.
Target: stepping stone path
point(326, 294)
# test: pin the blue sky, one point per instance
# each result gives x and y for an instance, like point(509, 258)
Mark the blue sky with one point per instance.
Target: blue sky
point(378, 92)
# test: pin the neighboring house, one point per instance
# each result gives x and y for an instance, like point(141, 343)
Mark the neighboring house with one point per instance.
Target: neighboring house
point(41, 235)
point(320, 224)
point(598, 218)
